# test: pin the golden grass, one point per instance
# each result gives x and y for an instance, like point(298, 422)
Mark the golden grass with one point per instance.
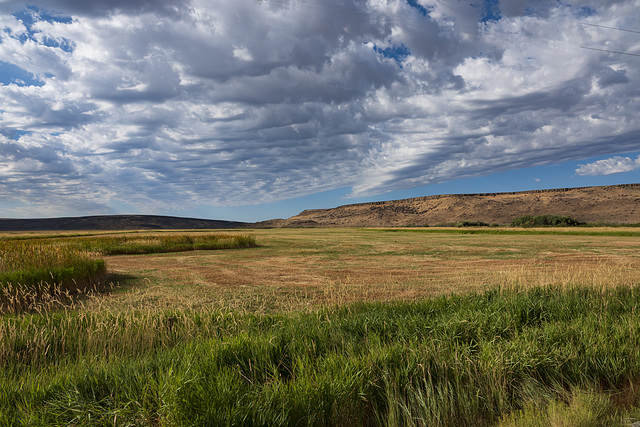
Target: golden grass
point(302, 269)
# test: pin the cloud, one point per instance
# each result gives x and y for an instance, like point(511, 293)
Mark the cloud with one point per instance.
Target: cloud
point(98, 8)
point(609, 166)
point(165, 105)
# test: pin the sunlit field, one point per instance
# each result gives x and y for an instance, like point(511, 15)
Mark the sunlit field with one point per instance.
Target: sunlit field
point(329, 327)
point(36, 270)
point(302, 269)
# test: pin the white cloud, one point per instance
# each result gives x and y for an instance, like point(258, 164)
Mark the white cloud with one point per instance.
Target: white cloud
point(174, 103)
point(609, 166)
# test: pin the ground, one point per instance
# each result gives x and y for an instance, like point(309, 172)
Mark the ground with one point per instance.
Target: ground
point(296, 269)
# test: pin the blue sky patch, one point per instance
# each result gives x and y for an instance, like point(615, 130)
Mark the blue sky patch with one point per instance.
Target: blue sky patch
point(19, 134)
point(27, 17)
point(10, 73)
point(491, 11)
point(396, 52)
point(30, 16)
point(585, 12)
point(423, 11)
point(61, 43)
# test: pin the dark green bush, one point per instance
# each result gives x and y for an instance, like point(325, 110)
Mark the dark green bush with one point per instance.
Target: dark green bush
point(463, 224)
point(546, 221)
point(472, 224)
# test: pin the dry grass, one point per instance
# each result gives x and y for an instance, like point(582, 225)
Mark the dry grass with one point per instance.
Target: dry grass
point(303, 269)
point(299, 269)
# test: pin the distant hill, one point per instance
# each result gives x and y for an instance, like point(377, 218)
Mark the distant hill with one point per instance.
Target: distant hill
point(115, 222)
point(618, 204)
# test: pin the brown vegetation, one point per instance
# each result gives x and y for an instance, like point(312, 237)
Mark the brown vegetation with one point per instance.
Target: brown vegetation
point(619, 204)
point(296, 269)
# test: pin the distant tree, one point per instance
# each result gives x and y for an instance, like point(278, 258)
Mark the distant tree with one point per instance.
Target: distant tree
point(472, 224)
point(546, 221)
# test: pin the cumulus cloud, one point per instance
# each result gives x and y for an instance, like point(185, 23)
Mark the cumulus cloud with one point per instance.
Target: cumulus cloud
point(616, 164)
point(168, 104)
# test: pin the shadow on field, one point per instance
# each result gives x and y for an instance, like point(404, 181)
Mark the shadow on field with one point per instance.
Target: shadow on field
point(117, 282)
point(46, 296)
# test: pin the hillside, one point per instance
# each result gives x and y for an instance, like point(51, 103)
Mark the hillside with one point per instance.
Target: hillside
point(612, 204)
point(115, 222)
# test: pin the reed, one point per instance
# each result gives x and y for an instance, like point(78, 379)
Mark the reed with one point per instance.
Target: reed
point(155, 243)
point(454, 360)
point(35, 272)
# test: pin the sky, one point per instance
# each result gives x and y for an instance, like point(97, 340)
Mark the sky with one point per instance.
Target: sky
point(250, 110)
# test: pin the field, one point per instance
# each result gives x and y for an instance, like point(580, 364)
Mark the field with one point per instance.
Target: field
point(300, 269)
point(338, 326)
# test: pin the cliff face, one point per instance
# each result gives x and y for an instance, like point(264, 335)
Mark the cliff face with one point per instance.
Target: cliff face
point(612, 204)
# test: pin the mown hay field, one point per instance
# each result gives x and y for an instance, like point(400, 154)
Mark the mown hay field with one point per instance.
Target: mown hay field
point(302, 269)
point(340, 327)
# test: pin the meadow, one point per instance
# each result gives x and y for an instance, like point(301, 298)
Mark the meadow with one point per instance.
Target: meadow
point(34, 270)
point(336, 327)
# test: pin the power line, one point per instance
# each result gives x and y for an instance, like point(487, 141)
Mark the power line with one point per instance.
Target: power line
point(609, 51)
point(334, 6)
point(513, 12)
point(416, 22)
point(603, 26)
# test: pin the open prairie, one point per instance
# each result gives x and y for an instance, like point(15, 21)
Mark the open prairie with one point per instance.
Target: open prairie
point(367, 327)
point(295, 269)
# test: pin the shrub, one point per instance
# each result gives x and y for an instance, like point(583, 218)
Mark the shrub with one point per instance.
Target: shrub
point(472, 224)
point(546, 221)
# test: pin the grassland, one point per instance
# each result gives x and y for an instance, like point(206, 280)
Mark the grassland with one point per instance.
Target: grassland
point(341, 326)
point(53, 267)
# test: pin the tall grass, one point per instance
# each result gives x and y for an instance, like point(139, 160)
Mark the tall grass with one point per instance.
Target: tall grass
point(38, 271)
point(30, 271)
point(26, 262)
point(450, 361)
point(147, 244)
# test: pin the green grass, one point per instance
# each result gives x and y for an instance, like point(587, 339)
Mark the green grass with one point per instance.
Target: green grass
point(30, 270)
point(82, 270)
point(567, 354)
point(581, 408)
point(450, 361)
point(128, 245)
point(505, 231)
point(36, 268)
